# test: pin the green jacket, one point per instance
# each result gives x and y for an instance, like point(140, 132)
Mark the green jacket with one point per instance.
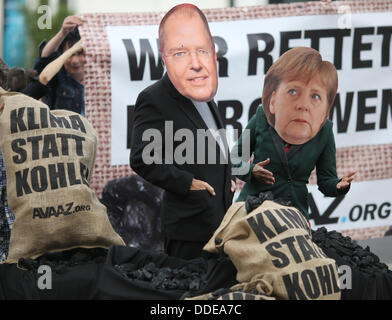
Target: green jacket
point(291, 170)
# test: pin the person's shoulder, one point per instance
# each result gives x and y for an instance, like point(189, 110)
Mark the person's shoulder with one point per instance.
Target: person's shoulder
point(328, 123)
point(327, 127)
point(153, 90)
point(153, 96)
point(260, 111)
point(260, 116)
point(325, 133)
point(155, 87)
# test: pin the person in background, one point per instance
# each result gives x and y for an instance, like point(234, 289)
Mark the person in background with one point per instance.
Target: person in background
point(15, 78)
point(197, 195)
point(38, 87)
point(18, 78)
point(3, 73)
point(27, 81)
point(290, 133)
point(66, 88)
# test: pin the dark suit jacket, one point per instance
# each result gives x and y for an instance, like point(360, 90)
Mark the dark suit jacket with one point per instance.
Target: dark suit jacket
point(292, 169)
point(186, 215)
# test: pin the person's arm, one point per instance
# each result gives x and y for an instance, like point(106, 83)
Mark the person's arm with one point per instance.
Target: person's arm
point(35, 89)
point(345, 182)
point(48, 51)
point(327, 178)
point(68, 25)
point(38, 88)
point(149, 119)
point(54, 67)
point(241, 168)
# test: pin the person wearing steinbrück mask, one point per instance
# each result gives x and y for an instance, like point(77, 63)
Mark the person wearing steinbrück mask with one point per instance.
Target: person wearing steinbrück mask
point(198, 186)
point(290, 134)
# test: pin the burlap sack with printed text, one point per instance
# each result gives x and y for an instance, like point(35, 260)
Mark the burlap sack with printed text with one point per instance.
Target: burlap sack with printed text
point(273, 243)
point(49, 157)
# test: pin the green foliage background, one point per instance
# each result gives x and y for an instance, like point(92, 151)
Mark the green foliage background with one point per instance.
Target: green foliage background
point(34, 34)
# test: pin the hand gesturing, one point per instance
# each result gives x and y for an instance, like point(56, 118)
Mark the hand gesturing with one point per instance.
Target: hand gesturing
point(346, 180)
point(70, 23)
point(262, 174)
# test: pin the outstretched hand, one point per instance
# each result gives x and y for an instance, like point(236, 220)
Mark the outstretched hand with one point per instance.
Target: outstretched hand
point(346, 180)
point(262, 174)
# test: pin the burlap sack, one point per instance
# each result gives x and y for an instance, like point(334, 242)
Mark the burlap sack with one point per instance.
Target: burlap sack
point(49, 157)
point(273, 243)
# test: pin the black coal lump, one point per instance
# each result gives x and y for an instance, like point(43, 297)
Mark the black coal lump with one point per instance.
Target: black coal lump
point(28, 264)
point(253, 202)
point(187, 278)
point(349, 251)
point(194, 285)
point(61, 260)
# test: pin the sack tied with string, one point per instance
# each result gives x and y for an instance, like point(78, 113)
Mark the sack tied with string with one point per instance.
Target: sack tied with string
point(49, 157)
point(256, 289)
point(273, 242)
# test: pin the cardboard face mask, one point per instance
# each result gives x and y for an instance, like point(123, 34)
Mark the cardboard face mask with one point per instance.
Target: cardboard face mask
point(190, 61)
point(300, 109)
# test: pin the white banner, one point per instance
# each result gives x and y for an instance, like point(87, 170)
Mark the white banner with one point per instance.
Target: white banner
point(358, 44)
point(367, 204)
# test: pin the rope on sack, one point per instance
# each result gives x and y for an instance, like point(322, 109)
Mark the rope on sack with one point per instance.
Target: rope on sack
point(258, 286)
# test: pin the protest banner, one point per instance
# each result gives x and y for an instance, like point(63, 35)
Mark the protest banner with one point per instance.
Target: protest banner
point(123, 59)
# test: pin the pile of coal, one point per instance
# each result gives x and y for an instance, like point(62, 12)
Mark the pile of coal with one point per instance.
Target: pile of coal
point(346, 251)
point(253, 202)
point(133, 207)
point(59, 262)
point(187, 278)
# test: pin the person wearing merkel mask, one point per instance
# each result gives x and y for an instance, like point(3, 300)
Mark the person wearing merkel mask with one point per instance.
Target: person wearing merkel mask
point(290, 134)
point(198, 189)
